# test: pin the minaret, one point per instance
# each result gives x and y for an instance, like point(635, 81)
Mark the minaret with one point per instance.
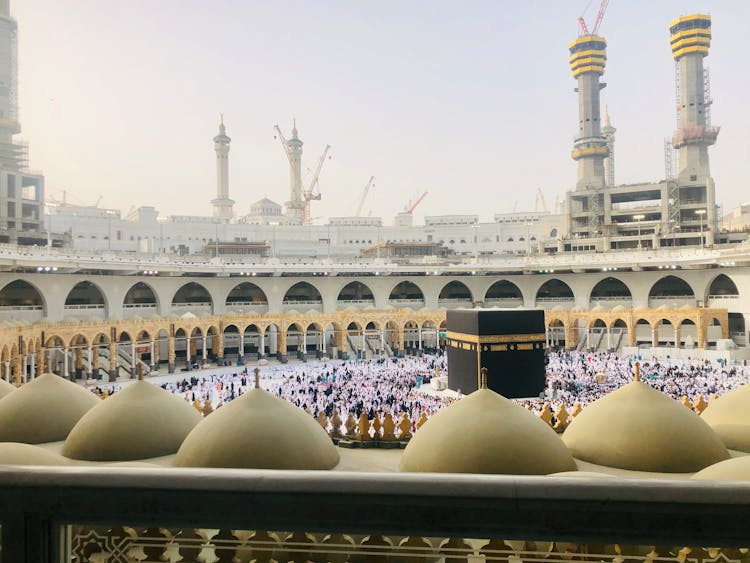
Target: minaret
point(223, 206)
point(295, 205)
point(690, 38)
point(11, 156)
point(588, 57)
point(609, 163)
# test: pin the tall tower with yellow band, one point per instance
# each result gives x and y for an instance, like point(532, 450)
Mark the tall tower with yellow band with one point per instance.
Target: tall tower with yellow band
point(690, 39)
point(588, 57)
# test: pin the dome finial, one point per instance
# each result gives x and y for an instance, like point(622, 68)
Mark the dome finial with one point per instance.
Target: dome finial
point(256, 371)
point(483, 382)
point(637, 371)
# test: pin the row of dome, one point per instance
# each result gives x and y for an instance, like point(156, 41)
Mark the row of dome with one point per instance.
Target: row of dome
point(635, 428)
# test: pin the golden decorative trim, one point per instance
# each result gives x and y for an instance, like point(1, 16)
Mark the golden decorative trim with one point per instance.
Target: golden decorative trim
point(495, 338)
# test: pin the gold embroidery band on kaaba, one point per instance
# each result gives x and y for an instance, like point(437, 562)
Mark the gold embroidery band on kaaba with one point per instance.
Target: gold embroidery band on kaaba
point(495, 338)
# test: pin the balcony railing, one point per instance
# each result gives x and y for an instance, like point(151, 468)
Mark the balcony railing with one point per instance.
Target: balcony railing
point(413, 303)
point(136, 514)
point(455, 303)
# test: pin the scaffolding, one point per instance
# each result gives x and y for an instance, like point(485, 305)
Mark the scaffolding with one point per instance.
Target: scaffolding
point(707, 100)
point(677, 95)
point(595, 211)
point(671, 159)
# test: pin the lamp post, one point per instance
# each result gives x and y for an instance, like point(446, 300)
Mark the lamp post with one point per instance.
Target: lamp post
point(700, 213)
point(639, 218)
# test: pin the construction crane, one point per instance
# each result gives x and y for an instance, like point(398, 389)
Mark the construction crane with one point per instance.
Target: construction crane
point(312, 192)
point(540, 201)
point(583, 28)
point(412, 205)
point(364, 196)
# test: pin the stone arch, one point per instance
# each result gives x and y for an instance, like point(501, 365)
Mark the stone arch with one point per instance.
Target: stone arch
point(503, 293)
point(161, 347)
point(411, 332)
point(429, 335)
point(271, 337)
point(251, 339)
point(55, 346)
point(393, 336)
point(355, 293)
point(78, 340)
point(335, 336)
point(665, 330)
point(670, 291)
point(406, 294)
point(140, 295)
point(455, 294)
point(610, 289)
point(213, 337)
point(294, 334)
point(231, 340)
point(247, 294)
point(86, 295)
point(22, 294)
point(642, 331)
point(302, 294)
point(314, 338)
point(182, 345)
point(722, 287)
point(556, 332)
point(688, 332)
point(192, 295)
point(597, 323)
point(554, 290)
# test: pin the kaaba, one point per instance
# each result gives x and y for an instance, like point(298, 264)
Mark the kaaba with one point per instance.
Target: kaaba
point(509, 343)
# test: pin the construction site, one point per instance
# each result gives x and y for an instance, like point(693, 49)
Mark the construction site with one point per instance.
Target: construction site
point(596, 215)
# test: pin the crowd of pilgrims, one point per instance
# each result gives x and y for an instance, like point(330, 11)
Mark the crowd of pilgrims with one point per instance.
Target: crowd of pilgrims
point(370, 387)
point(582, 377)
point(395, 385)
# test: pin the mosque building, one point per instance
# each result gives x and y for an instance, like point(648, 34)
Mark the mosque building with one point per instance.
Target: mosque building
point(143, 475)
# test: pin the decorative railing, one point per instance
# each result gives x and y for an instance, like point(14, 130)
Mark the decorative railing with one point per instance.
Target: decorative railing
point(124, 515)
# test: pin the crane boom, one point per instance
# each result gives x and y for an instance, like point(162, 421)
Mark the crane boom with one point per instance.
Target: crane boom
point(311, 192)
point(540, 199)
point(600, 16)
point(584, 30)
point(413, 205)
point(284, 142)
point(364, 196)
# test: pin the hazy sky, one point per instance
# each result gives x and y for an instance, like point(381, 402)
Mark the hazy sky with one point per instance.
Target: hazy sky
point(471, 100)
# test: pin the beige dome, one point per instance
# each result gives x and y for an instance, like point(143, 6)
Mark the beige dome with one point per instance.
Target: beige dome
point(729, 416)
point(258, 431)
point(641, 429)
point(486, 433)
point(43, 410)
point(14, 453)
point(6, 388)
point(735, 469)
point(138, 422)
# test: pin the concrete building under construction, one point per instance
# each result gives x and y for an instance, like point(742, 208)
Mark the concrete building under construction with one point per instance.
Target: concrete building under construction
point(677, 211)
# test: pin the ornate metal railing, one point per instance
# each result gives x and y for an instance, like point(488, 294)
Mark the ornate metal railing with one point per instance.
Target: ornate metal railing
point(118, 515)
